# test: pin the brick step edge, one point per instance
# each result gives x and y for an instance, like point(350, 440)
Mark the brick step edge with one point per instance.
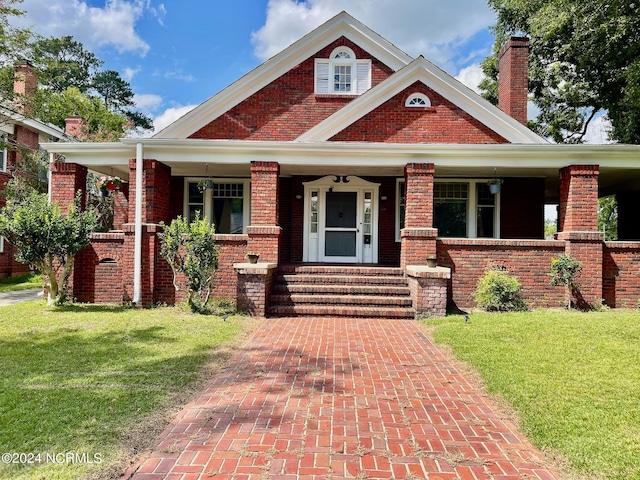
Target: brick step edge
point(342, 280)
point(301, 288)
point(338, 311)
point(340, 270)
point(350, 300)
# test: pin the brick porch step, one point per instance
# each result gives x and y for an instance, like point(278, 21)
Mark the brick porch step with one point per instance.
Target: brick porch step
point(340, 290)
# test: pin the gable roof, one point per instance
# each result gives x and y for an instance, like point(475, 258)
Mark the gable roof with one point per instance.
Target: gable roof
point(12, 116)
point(424, 71)
point(342, 25)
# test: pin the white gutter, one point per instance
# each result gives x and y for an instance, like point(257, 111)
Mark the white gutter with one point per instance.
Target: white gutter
point(137, 247)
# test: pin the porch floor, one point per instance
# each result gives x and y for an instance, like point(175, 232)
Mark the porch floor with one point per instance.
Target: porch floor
point(320, 398)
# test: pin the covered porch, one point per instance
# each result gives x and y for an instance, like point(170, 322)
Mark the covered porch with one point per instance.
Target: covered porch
point(344, 203)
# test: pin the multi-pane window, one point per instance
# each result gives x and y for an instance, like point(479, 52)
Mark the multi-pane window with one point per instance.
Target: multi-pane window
point(342, 73)
point(223, 203)
point(227, 207)
point(460, 209)
point(485, 218)
point(418, 100)
point(450, 209)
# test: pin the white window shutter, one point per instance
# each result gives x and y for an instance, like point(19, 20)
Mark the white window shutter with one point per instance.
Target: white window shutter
point(364, 76)
point(322, 76)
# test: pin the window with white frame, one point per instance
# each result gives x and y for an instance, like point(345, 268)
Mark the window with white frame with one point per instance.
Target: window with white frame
point(342, 73)
point(3, 152)
point(223, 202)
point(417, 100)
point(461, 208)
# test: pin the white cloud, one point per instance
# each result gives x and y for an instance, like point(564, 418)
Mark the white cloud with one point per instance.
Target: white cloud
point(471, 76)
point(598, 131)
point(432, 28)
point(169, 116)
point(129, 73)
point(112, 25)
point(147, 102)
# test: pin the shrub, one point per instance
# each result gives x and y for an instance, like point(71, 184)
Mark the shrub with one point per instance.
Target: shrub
point(564, 270)
point(497, 291)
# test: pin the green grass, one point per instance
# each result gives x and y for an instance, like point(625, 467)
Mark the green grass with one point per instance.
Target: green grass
point(573, 379)
point(99, 380)
point(23, 282)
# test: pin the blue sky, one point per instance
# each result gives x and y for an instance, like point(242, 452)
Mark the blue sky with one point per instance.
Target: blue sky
point(178, 53)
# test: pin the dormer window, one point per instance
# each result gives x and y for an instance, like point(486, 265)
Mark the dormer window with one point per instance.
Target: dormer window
point(342, 73)
point(417, 100)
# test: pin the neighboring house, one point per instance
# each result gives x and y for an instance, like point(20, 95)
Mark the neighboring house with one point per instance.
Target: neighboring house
point(345, 164)
point(19, 130)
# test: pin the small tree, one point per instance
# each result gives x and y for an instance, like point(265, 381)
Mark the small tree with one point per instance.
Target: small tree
point(497, 291)
point(47, 238)
point(191, 251)
point(564, 271)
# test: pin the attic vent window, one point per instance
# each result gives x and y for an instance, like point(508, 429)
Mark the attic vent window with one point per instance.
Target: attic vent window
point(418, 100)
point(342, 73)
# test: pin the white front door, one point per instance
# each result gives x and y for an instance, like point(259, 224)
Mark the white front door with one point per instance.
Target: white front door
point(340, 222)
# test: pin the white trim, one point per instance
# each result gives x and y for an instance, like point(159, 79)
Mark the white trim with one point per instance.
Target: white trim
point(3, 152)
point(137, 239)
point(421, 70)
point(399, 180)
point(208, 199)
point(355, 184)
point(342, 25)
point(1, 244)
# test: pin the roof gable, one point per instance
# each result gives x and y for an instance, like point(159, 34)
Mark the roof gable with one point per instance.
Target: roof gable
point(342, 25)
point(421, 70)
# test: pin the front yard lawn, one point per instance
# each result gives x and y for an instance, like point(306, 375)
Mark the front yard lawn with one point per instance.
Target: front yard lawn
point(23, 282)
point(98, 381)
point(573, 379)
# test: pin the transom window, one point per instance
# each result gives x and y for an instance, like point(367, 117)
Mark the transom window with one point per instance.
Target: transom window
point(417, 100)
point(221, 201)
point(342, 73)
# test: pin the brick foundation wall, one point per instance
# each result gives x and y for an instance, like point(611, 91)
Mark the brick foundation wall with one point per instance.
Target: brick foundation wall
point(254, 287)
point(287, 107)
point(528, 260)
point(393, 122)
point(621, 282)
point(232, 250)
point(98, 269)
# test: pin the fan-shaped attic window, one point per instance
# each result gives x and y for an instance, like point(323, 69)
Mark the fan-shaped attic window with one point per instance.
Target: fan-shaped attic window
point(342, 73)
point(417, 100)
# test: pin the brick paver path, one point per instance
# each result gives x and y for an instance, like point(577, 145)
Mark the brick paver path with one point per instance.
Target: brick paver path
point(341, 398)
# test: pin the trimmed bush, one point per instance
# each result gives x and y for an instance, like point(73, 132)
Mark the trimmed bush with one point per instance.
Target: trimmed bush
point(497, 291)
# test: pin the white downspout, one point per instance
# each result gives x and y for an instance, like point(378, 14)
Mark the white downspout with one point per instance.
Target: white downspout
point(49, 176)
point(137, 238)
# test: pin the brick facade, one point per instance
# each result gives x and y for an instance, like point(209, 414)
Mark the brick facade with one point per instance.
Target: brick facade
point(156, 199)
point(288, 106)
point(393, 122)
point(66, 180)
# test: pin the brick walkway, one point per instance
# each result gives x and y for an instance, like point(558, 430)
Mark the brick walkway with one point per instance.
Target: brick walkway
point(335, 398)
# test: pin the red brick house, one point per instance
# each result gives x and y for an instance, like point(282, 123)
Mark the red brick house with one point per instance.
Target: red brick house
point(345, 164)
point(18, 130)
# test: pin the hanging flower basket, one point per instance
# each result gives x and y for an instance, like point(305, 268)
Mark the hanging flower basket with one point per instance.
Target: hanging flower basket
point(495, 184)
point(107, 184)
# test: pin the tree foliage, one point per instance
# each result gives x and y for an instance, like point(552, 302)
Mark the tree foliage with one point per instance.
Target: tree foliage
point(47, 238)
point(192, 254)
point(608, 217)
point(584, 61)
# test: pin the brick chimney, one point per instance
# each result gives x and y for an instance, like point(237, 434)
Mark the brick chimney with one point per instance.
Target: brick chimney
point(24, 86)
point(513, 73)
point(75, 126)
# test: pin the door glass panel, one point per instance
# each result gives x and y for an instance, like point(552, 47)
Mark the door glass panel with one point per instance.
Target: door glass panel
point(341, 209)
point(314, 212)
point(366, 221)
point(340, 244)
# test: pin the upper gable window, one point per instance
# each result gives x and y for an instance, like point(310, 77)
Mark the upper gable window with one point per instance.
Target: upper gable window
point(342, 73)
point(417, 100)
